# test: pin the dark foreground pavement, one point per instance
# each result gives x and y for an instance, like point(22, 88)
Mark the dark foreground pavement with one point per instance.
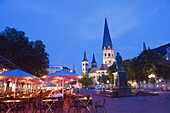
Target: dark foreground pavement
point(135, 104)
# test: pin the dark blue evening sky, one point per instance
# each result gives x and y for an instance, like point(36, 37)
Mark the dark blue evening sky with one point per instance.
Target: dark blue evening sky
point(70, 27)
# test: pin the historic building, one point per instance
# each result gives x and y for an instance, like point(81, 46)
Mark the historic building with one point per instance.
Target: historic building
point(107, 57)
point(163, 50)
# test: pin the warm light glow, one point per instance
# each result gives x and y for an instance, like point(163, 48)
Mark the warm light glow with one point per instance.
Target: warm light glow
point(80, 77)
point(107, 81)
point(44, 76)
point(85, 98)
point(151, 76)
point(60, 78)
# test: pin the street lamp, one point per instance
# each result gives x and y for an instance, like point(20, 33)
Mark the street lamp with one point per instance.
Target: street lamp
point(152, 78)
point(107, 83)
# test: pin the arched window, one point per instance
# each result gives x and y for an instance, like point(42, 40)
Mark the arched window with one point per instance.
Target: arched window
point(109, 54)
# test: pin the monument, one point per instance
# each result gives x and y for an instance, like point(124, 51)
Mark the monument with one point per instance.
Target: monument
point(121, 85)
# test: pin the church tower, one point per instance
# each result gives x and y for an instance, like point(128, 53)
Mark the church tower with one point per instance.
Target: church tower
point(93, 63)
point(84, 64)
point(107, 48)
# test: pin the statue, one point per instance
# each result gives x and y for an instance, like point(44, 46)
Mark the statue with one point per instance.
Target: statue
point(119, 62)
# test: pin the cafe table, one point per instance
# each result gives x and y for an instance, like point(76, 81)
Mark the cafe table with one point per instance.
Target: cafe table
point(10, 104)
point(49, 103)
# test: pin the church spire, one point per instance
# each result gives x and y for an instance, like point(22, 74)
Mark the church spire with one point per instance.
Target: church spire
point(106, 37)
point(93, 63)
point(85, 58)
point(93, 60)
point(144, 46)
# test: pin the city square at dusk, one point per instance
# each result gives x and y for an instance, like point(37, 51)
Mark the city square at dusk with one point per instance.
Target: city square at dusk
point(115, 52)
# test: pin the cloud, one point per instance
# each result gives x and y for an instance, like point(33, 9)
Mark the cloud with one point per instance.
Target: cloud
point(33, 7)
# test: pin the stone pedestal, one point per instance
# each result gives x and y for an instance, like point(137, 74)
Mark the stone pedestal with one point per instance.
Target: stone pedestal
point(122, 86)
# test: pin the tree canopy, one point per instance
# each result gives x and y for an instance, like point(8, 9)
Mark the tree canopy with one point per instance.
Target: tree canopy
point(110, 72)
point(148, 62)
point(28, 55)
point(86, 80)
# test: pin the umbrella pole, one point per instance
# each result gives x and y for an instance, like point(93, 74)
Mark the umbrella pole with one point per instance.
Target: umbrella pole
point(62, 83)
point(15, 86)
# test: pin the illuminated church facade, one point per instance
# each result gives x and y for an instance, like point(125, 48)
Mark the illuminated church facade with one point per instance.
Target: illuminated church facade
point(107, 57)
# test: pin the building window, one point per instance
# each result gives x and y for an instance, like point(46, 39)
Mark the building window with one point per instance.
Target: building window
point(86, 64)
point(105, 62)
point(110, 62)
point(109, 54)
point(83, 64)
point(105, 54)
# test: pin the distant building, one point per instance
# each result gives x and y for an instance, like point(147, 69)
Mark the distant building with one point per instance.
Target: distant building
point(107, 57)
point(163, 50)
point(54, 69)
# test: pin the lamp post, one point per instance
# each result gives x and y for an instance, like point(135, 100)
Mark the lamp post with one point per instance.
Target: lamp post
point(112, 80)
point(152, 79)
point(107, 83)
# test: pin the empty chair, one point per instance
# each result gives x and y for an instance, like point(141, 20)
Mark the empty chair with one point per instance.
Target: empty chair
point(100, 104)
point(2, 107)
point(58, 106)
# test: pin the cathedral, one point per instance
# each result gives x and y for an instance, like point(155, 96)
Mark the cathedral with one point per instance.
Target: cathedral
point(107, 57)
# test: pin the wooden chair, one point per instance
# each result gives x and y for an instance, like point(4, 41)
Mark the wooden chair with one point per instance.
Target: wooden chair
point(100, 104)
point(2, 107)
point(58, 106)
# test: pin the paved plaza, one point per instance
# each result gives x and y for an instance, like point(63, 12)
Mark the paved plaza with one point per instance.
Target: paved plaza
point(138, 104)
point(134, 104)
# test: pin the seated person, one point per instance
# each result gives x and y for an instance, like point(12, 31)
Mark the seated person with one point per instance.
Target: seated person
point(77, 91)
point(60, 94)
point(53, 95)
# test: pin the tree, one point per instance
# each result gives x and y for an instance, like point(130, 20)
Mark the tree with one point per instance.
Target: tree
point(148, 60)
point(129, 67)
point(103, 79)
point(86, 80)
point(163, 70)
point(29, 56)
point(110, 72)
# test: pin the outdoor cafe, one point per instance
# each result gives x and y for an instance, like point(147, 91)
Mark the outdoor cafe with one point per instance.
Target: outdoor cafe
point(23, 92)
